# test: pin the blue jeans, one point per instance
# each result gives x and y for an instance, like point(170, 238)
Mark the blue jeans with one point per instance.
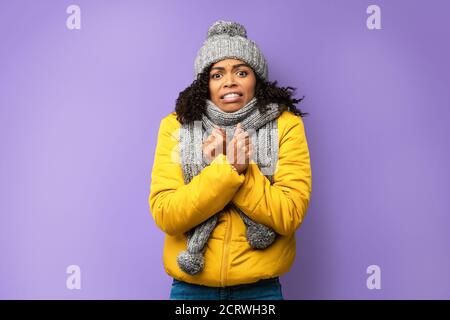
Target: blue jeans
point(267, 289)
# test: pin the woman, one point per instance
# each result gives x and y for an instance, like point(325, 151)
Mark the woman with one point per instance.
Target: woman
point(231, 179)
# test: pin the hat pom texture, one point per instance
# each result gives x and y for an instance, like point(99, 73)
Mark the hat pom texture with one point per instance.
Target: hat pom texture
point(232, 29)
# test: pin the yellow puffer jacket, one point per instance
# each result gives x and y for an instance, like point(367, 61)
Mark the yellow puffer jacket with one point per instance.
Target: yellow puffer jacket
point(229, 259)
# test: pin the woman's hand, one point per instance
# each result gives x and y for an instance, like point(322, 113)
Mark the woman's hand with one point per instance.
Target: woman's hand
point(215, 144)
point(240, 149)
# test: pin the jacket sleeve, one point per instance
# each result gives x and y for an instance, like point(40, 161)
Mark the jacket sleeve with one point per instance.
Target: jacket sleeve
point(177, 207)
point(283, 205)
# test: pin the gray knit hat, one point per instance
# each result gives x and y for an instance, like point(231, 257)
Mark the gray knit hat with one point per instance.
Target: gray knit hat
point(228, 39)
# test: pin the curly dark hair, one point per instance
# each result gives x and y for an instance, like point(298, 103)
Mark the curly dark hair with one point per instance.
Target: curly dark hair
point(191, 102)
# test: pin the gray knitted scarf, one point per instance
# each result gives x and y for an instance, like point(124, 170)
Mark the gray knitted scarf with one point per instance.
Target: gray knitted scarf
point(263, 130)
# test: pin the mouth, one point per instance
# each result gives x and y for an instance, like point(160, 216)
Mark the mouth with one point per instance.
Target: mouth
point(233, 96)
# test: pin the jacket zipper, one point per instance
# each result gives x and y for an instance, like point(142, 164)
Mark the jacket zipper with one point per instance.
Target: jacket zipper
point(226, 249)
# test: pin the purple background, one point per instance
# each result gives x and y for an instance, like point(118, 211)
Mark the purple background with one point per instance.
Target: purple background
point(80, 110)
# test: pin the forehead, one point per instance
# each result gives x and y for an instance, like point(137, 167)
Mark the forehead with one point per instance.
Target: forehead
point(228, 63)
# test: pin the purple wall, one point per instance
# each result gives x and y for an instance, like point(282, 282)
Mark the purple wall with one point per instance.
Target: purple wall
point(80, 110)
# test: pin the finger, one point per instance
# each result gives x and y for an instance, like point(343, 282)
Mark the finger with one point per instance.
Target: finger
point(234, 151)
point(212, 137)
point(242, 152)
point(219, 132)
point(249, 155)
point(206, 147)
point(215, 132)
point(243, 135)
point(243, 142)
point(208, 150)
point(251, 151)
point(238, 129)
point(249, 142)
point(242, 157)
point(232, 143)
point(220, 146)
point(218, 139)
point(222, 131)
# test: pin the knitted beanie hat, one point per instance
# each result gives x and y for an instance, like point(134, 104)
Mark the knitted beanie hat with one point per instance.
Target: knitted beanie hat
point(226, 39)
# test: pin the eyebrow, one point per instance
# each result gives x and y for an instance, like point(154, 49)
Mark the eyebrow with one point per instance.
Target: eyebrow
point(234, 67)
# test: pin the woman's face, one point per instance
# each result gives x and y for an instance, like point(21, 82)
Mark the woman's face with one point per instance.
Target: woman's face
point(231, 84)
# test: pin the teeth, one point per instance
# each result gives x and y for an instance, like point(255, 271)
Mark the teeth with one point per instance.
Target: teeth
point(230, 95)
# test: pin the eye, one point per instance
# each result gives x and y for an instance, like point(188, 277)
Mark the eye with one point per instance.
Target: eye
point(213, 76)
point(243, 73)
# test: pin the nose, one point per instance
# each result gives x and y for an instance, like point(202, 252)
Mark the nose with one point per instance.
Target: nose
point(229, 81)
